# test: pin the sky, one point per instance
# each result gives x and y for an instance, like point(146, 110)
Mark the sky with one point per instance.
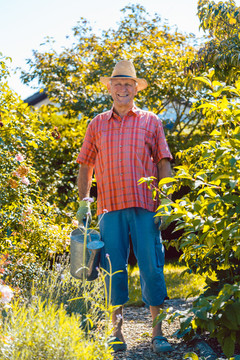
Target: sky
point(24, 24)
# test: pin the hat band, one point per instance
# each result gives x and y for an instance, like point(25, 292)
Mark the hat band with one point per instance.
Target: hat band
point(122, 76)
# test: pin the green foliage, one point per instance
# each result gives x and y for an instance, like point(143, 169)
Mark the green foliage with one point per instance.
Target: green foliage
point(60, 288)
point(28, 227)
point(210, 210)
point(55, 159)
point(159, 53)
point(209, 214)
point(42, 331)
point(42, 298)
point(179, 283)
point(72, 77)
point(191, 356)
point(4, 72)
point(220, 316)
point(222, 21)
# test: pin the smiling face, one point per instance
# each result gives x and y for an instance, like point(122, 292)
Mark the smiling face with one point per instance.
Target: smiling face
point(123, 92)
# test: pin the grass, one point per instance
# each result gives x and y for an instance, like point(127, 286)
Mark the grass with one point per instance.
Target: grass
point(179, 285)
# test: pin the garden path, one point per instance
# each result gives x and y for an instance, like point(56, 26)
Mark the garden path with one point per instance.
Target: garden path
point(137, 332)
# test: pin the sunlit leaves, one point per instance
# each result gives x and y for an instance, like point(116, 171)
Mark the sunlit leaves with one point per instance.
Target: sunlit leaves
point(209, 215)
point(159, 53)
point(222, 52)
point(27, 220)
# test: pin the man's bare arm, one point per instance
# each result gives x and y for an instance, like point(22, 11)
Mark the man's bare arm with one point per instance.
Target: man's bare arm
point(84, 180)
point(164, 169)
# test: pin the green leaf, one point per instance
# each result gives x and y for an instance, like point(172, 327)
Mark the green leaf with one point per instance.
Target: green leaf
point(228, 346)
point(159, 318)
point(215, 133)
point(209, 191)
point(202, 313)
point(33, 144)
point(191, 356)
point(204, 80)
point(166, 180)
point(229, 319)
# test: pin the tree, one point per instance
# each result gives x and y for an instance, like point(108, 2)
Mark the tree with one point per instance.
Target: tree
point(160, 55)
point(222, 52)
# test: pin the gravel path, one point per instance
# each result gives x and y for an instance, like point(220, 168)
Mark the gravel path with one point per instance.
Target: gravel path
point(138, 329)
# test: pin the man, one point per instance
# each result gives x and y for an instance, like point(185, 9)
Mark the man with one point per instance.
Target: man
point(123, 145)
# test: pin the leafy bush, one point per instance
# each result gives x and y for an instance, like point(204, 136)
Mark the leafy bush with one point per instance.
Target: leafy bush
point(55, 159)
point(209, 215)
point(29, 227)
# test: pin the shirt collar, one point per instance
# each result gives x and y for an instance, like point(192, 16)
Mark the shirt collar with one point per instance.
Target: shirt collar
point(133, 110)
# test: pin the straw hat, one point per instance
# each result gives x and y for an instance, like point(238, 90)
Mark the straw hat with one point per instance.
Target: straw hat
point(125, 69)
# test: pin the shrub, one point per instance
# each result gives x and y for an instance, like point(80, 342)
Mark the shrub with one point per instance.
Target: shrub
point(30, 227)
point(209, 215)
point(55, 159)
point(42, 331)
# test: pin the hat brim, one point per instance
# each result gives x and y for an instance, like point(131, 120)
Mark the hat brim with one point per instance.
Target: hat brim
point(142, 83)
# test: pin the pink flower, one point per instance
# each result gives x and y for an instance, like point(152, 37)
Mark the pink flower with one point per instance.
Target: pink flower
point(19, 157)
point(105, 211)
point(75, 223)
point(25, 181)
point(107, 255)
point(89, 199)
point(29, 210)
point(6, 294)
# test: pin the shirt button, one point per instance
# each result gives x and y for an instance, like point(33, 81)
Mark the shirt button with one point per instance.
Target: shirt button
point(120, 146)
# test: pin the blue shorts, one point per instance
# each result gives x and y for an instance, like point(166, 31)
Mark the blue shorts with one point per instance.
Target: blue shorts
point(115, 228)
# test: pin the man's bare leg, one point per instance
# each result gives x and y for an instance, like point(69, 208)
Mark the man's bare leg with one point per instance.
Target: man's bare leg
point(157, 330)
point(117, 321)
point(159, 343)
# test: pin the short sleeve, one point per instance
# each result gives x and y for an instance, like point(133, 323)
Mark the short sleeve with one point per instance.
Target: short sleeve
point(88, 151)
point(160, 148)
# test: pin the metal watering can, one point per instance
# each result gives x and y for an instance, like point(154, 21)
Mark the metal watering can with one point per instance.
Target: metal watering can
point(92, 258)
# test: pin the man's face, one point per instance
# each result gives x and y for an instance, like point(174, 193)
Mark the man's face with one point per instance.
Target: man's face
point(122, 91)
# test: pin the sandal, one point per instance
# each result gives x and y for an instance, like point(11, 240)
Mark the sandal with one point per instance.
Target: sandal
point(116, 345)
point(160, 344)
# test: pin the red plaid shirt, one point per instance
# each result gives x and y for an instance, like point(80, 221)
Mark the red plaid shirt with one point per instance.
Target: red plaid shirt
point(122, 151)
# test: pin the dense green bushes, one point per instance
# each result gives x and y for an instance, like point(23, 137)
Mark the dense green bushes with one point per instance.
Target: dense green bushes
point(209, 214)
point(38, 170)
point(28, 226)
point(55, 159)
